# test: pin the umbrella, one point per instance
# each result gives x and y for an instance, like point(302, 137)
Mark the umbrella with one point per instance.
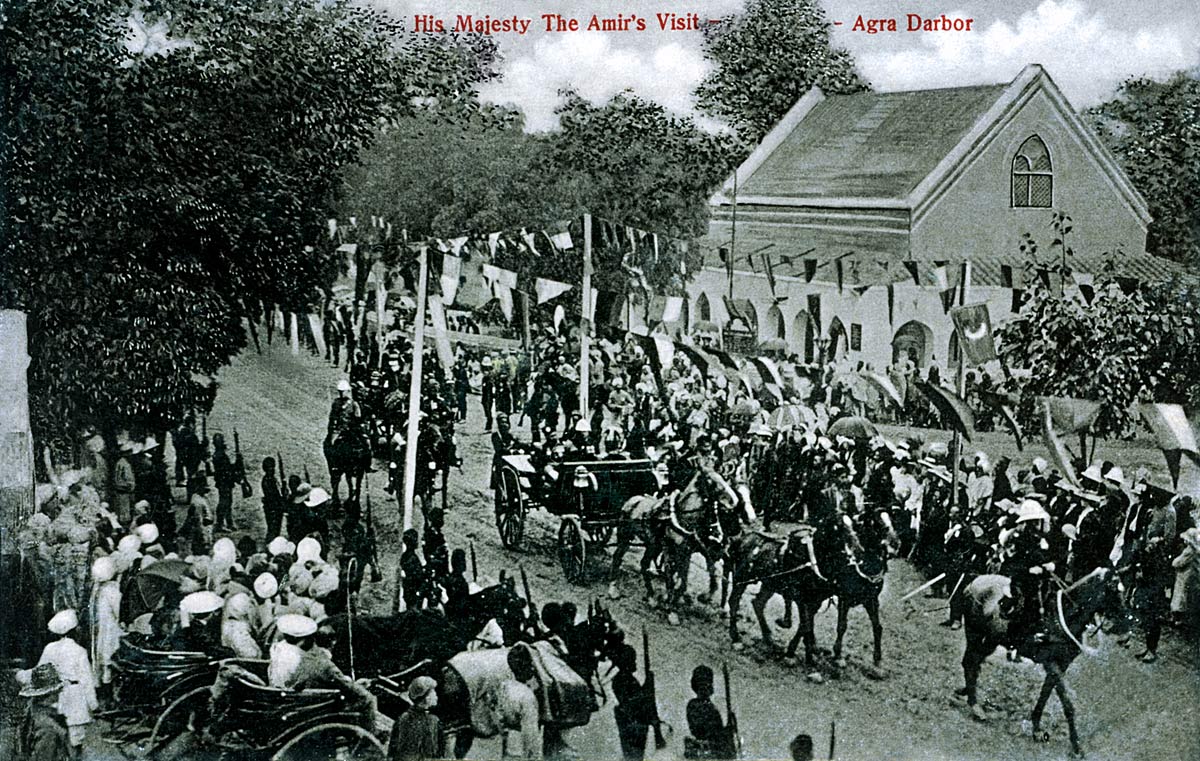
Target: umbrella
point(853, 427)
point(884, 385)
point(954, 411)
point(1070, 415)
point(787, 416)
point(150, 586)
point(704, 326)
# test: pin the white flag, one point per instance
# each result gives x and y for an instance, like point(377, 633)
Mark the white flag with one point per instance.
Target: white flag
point(673, 309)
point(549, 289)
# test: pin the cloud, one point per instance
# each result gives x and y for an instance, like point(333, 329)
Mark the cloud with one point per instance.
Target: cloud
point(1086, 54)
point(591, 64)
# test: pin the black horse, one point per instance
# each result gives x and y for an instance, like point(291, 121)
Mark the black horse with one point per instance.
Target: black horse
point(1067, 613)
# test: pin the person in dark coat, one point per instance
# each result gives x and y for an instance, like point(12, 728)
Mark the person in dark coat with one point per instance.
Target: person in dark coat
point(43, 734)
point(487, 392)
point(187, 450)
point(462, 385)
point(225, 477)
point(417, 734)
point(413, 584)
point(707, 736)
point(272, 500)
point(635, 710)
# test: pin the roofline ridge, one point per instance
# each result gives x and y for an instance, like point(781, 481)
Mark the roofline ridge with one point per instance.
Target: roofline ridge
point(772, 140)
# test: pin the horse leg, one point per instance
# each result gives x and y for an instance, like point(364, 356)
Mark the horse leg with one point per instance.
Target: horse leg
point(648, 556)
point(786, 621)
point(1068, 708)
point(872, 606)
point(618, 556)
point(843, 618)
point(735, 602)
point(463, 740)
point(676, 562)
point(972, 660)
point(711, 565)
point(1036, 717)
point(759, 602)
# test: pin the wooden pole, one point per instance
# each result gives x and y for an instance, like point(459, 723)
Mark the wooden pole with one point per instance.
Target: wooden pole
point(956, 448)
point(414, 389)
point(585, 322)
point(732, 236)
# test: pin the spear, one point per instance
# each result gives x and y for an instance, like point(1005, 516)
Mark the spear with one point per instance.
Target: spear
point(735, 740)
point(832, 738)
point(474, 565)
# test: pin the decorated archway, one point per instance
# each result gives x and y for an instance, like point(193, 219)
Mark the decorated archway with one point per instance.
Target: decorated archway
point(774, 326)
point(913, 340)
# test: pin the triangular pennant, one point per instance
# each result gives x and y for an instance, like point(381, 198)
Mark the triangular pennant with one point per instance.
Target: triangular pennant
point(1044, 275)
point(493, 240)
point(1173, 456)
point(947, 299)
point(911, 266)
point(1128, 285)
point(840, 274)
point(451, 274)
point(548, 289)
point(559, 315)
point(810, 270)
point(941, 277)
point(1018, 298)
point(891, 299)
point(1006, 275)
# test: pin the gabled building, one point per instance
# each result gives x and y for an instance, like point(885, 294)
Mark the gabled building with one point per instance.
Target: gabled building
point(868, 208)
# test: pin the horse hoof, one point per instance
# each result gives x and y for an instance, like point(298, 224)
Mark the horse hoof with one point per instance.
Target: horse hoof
point(1042, 736)
point(613, 592)
point(1076, 753)
point(783, 623)
point(877, 673)
point(673, 618)
point(815, 677)
point(961, 692)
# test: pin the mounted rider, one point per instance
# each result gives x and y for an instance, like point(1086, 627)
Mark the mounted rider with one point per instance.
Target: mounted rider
point(1028, 563)
point(345, 414)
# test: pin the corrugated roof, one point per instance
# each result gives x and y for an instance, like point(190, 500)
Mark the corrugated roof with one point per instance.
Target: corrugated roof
point(870, 145)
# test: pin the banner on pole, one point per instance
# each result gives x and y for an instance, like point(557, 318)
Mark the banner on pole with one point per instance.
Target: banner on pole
point(974, 326)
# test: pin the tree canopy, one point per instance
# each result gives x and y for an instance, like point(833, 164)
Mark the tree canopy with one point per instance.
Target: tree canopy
point(766, 58)
point(167, 166)
point(1129, 343)
point(1154, 130)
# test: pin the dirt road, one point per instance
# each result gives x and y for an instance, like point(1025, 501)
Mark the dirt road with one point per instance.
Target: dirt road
point(1126, 709)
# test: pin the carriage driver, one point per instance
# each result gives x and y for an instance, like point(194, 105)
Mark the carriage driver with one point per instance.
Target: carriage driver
point(1029, 565)
point(297, 664)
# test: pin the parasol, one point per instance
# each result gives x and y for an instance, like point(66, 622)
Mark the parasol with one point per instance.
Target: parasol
point(786, 416)
point(884, 385)
point(705, 326)
point(953, 410)
point(853, 427)
point(150, 586)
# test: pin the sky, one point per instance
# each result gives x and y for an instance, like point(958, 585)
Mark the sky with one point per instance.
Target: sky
point(1088, 46)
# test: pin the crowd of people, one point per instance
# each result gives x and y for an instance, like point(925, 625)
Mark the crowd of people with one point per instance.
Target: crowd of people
point(266, 595)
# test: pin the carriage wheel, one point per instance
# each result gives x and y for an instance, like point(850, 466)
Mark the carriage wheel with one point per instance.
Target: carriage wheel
point(332, 741)
point(572, 550)
point(510, 509)
point(173, 721)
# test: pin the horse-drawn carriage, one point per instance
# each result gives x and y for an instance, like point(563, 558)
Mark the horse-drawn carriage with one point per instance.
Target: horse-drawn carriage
point(154, 691)
point(586, 494)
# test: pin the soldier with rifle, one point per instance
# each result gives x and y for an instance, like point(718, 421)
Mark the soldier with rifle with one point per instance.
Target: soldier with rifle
point(637, 705)
point(708, 736)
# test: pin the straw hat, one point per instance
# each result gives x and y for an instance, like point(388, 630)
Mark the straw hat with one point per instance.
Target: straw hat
point(266, 586)
point(280, 546)
point(147, 532)
point(104, 569)
point(308, 549)
point(43, 680)
point(199, 603)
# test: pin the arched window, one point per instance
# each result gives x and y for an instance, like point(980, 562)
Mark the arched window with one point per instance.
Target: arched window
point(1032, 175)
point(703, 311)
point(913, 340)
point(838, 340)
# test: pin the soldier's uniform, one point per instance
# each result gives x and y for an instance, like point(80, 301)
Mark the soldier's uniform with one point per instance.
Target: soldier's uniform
point(1028, 564)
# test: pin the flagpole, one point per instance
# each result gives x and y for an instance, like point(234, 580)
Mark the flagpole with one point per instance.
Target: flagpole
point(414, 388)
point(956, 448)
point(585, 342)
point(732, 236)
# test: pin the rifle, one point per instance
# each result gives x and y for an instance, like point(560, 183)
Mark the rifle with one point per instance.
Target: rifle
point(239, 465)
point(735, 739)
point(204, 454)
point(533, 617)
point(474, 565)
point(832, 738)
point(283, 487)
point(376, 574)
point(660, 741)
